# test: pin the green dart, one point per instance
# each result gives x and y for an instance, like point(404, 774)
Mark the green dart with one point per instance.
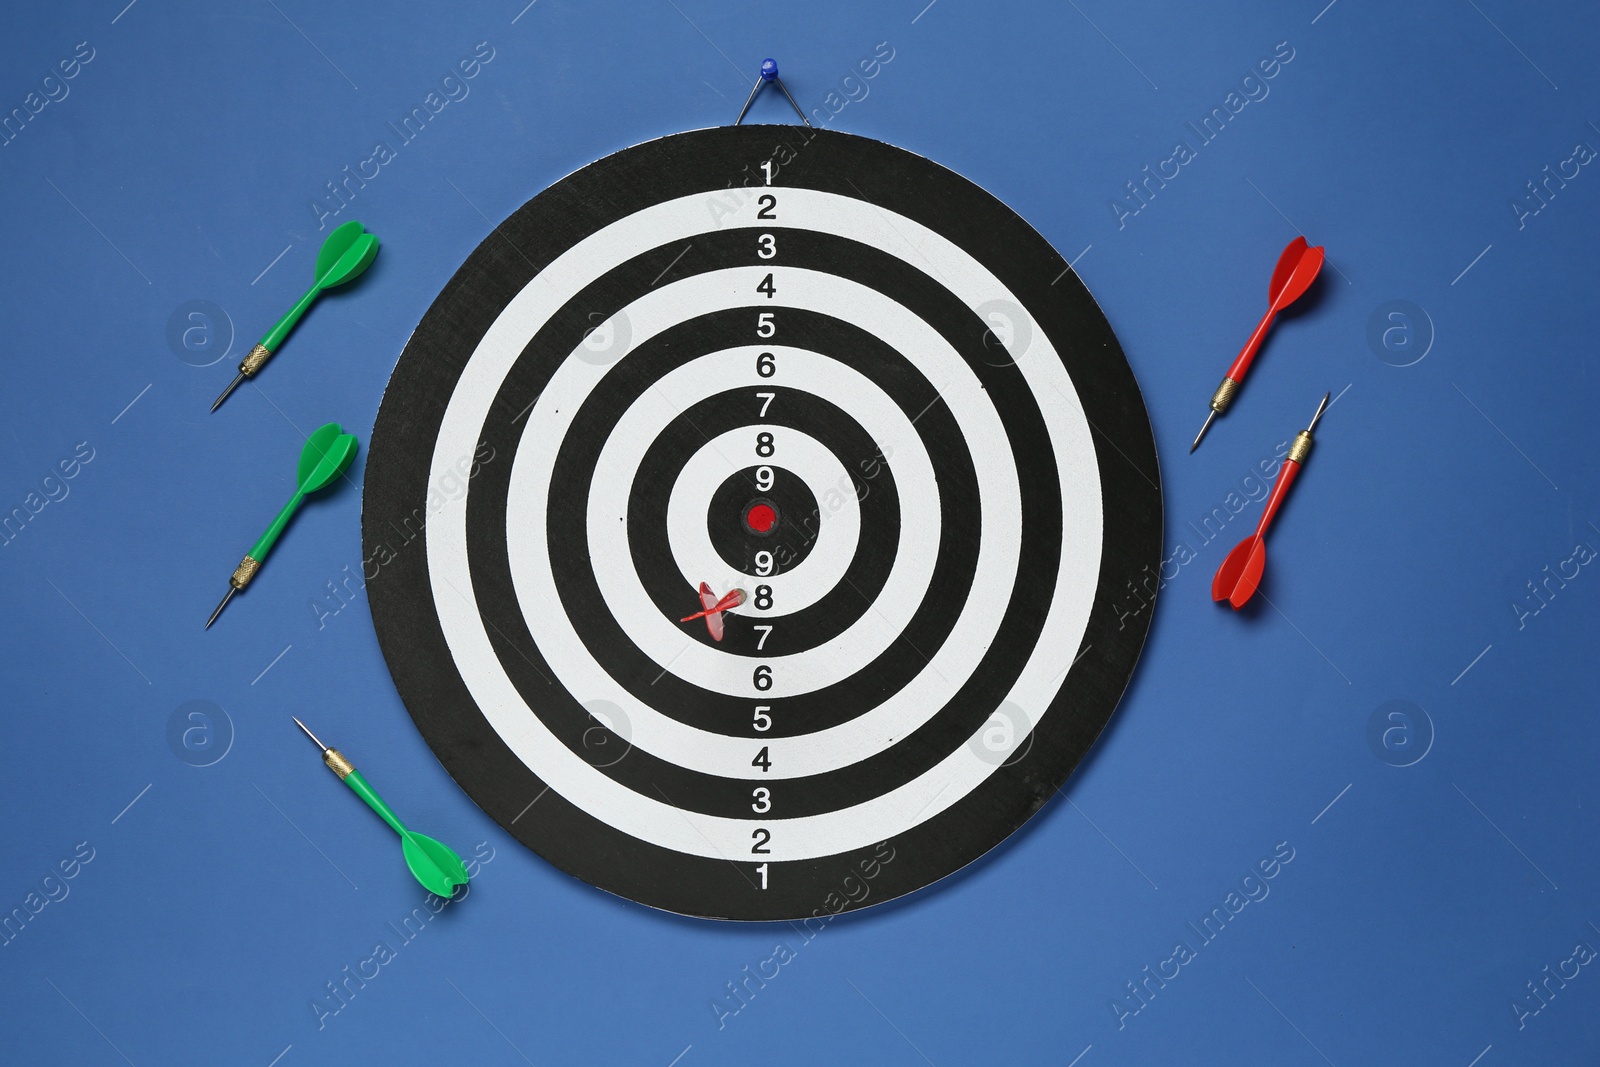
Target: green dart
point(432, 863)
point(328, 451)
point(347, 252)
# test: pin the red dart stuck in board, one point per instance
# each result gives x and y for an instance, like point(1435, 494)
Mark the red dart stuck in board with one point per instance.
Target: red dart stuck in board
point(1297, 268)
point(1240, 573)
point(712, 609)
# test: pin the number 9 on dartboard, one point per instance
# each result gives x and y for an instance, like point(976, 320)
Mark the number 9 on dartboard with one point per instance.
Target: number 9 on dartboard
point(800, 399)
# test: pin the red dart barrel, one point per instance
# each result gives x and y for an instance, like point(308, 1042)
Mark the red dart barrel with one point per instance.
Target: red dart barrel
point(1240, 574)
point(1280, 489)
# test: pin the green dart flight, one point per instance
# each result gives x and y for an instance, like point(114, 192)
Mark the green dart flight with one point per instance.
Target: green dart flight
point(348, 251)
point(432, 863)
point(326, 455)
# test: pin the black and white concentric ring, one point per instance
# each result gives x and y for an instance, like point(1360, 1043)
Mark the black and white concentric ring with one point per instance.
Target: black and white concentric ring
point(659, 636)
point(689, 504)
point(575, 473)
point(826, 572)
point(839, 529)
point(655, 820)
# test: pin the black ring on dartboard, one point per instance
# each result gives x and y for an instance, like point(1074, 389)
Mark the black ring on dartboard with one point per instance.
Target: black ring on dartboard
point(789, 539)
point(852, 595)
point(396, 508)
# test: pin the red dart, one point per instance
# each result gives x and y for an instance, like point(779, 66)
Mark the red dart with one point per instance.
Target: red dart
point(712, 609)
point(1297, 268)
point(1240, 573)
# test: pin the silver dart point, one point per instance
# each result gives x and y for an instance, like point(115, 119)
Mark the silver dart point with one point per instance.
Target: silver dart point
point(231, 387)
point(225, 599)
point(1320, 409)
point(309, 734)
point(1202, 432)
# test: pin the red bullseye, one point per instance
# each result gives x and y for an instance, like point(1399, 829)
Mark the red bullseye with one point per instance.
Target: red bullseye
point(761, 518)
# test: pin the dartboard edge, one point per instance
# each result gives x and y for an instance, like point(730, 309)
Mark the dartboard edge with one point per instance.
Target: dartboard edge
point(817, 367)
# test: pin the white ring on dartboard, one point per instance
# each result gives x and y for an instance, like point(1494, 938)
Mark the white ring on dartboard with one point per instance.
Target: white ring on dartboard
point(660, 823)
point(799, 456)
point(853, 650)
point(658, 636)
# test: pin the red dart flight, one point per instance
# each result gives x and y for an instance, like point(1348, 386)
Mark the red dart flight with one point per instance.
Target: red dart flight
point(711, 609)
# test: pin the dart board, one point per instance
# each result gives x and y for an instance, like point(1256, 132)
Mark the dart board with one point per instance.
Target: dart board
point(805, 365)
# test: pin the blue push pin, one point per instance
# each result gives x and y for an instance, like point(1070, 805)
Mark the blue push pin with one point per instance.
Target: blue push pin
point(769, 73)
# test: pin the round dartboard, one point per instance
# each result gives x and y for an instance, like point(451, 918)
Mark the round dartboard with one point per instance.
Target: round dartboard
point(811, 370)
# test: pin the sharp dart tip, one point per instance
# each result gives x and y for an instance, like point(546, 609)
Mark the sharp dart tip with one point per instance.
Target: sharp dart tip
point(309, 734)
point(220, 606)
point(1201, 435)
point(1322, 407)
point(225, 393)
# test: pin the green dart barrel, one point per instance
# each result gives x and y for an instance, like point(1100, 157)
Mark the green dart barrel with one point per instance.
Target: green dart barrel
point(326, 455)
